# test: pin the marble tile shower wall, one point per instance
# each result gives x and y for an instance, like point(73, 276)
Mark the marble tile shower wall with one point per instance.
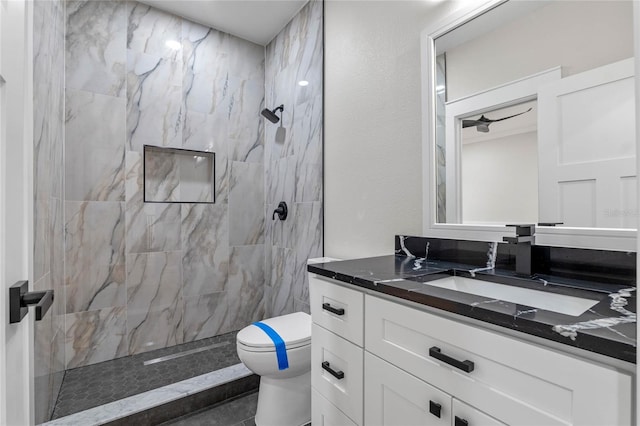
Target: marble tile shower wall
point(141, 276)
point(294, 168)
point(48, 250)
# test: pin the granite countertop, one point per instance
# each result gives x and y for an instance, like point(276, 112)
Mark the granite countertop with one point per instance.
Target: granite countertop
point(608, 328)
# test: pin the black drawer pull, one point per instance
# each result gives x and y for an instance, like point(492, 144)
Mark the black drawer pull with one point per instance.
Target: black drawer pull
point(328, 307)
point(460, 422)
point(435, 409)
point(337, 374)
point(466, 366)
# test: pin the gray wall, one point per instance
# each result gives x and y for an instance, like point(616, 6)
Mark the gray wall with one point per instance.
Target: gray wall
point(134, 276)
point(142, 276)
point(48, 251)
point(294, 168)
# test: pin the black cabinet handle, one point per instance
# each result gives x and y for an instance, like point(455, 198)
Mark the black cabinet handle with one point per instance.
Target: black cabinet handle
point(435, 409)
point(328, 307)
point(466, 366)
point(460, 422)
point(337, 374)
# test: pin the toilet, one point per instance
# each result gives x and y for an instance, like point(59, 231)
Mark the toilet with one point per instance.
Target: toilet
point(284, 398)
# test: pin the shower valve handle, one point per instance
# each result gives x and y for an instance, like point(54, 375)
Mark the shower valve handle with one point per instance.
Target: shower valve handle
point(281, 211)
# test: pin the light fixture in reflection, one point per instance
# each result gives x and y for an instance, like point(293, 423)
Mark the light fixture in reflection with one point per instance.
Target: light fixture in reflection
point(303, 83)
point(172, 44)
point(440, 88)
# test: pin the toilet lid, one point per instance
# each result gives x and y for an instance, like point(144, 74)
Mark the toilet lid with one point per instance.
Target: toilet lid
point(294, 329)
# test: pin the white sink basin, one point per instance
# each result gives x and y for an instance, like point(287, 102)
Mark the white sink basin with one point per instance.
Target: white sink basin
point(567, 305)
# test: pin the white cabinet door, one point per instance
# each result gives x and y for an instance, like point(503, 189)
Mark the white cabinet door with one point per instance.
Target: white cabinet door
point(393, 397)
point(517, 382)
point(466, 415)
point(336, 371)
point(337, 308)
point(587, 149)
point(324, 413)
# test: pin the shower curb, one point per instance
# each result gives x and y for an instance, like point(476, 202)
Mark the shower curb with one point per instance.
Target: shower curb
point(167, 402)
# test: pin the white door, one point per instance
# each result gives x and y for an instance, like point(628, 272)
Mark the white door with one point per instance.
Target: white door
point(16, 207)
point(587, 149)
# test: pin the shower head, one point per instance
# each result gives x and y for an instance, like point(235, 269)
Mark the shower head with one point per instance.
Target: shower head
point(271, 114)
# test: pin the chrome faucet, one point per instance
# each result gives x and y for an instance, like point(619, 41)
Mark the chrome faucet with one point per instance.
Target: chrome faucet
point(523, 241)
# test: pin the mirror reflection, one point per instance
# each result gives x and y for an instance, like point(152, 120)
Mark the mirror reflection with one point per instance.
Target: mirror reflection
point(535, 116)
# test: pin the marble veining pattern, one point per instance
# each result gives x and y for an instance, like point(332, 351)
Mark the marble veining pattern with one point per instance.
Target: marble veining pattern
point(207, 84)
point(282, 275)
point(308, 229)
point(206, 315)
point(94, 256)
point(246, 285)
point(153, 31)
point(154, 301)
point(208, 132)
point(96, 35)
point(48, 194)
point(205, 243)
point(150, 227)
point(246, 201)
point(95, 336)
point(94, 154)
point(607, 328)
point(618, 303)
point(162, 179)
point(141, 275)
point(293, 168)
point(154, 93)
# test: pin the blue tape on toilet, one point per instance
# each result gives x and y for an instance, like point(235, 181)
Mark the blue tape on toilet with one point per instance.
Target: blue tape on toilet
point(281, 349)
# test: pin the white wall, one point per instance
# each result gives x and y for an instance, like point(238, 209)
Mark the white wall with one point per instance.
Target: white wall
point(500, 180)
point(373, 170)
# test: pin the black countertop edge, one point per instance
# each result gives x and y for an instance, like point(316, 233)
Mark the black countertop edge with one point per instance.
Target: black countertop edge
point(616, 340)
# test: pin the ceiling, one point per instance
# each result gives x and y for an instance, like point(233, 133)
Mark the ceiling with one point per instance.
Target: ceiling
point(258, 21)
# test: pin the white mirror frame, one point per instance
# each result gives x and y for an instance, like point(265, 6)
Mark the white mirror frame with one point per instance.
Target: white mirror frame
point(595, 238)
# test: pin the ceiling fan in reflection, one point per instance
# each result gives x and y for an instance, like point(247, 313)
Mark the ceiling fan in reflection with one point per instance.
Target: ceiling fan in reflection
point(482, 123)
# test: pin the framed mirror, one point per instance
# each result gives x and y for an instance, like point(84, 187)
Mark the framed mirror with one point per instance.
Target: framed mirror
point(529, 117)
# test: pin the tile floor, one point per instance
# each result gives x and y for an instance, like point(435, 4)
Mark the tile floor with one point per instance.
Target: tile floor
point(239, 411)
point(94, 385)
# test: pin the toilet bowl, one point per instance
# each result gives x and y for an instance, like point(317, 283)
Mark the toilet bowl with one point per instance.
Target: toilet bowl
point(284, 397)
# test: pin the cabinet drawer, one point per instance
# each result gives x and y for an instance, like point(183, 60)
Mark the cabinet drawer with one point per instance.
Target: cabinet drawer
point(336, 371)
point(324, 413)
point(465, 415)
point(514, 381)
point(337, 308)
point(393, 397)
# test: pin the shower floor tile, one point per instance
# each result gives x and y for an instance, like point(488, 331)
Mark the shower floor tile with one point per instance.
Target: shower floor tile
point(97, 384)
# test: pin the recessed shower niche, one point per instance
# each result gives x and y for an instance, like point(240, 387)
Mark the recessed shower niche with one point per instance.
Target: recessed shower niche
point(174, 175)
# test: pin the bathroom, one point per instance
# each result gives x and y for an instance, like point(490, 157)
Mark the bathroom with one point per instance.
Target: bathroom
point(365, 119)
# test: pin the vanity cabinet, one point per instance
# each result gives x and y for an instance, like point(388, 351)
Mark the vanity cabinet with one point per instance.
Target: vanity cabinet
point(516, 382)
point(337, 363)
point(418, 367)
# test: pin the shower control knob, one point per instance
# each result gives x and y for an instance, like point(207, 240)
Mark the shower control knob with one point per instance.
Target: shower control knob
point(281, 211)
